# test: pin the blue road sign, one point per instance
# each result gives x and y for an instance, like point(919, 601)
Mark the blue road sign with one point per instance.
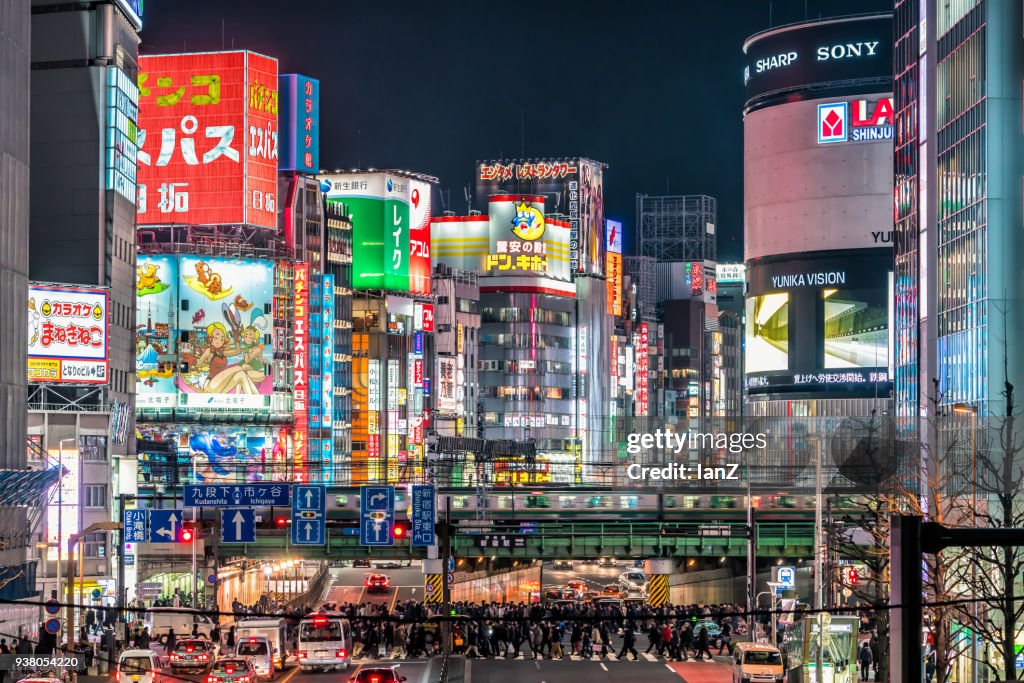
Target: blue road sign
point(424, 515)
point(376, 515)
point(237, 525)
point(164, 525)
point(787, 577)
point(135, 526)
point(237, 495)
point(309, 518)
point(52, 626)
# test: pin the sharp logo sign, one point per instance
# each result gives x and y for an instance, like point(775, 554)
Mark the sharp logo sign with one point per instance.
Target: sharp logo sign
point(856, 121)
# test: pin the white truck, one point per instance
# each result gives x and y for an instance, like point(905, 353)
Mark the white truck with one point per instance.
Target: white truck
point(274, 630)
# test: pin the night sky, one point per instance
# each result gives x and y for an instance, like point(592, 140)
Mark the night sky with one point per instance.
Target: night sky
point(654, 89)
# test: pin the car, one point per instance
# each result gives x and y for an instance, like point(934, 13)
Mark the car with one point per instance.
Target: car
point(388, 564)
point(590, 560)
point(137, 666)
point(632, 579)
point(614, 603)
point(259, 651)
point(377, 674)
point(561, 564)
point(714, 630)
point(559, 594)
point(377, 583)
point(361, 563)
point(577, 586)
point(233, 670)
point(612, 590)
point(606, 562)
point(192, 654)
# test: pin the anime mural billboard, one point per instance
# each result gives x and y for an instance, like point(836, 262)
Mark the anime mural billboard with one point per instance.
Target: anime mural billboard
point(224, 315)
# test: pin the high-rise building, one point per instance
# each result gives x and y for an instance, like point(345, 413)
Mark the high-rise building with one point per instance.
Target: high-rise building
point(85, 105)
point(15, 39)
point(818, 128)
point(677, 227)
point(959, 164)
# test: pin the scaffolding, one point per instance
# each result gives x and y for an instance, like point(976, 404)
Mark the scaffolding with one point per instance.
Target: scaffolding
point(678, 227)
point(641, 272)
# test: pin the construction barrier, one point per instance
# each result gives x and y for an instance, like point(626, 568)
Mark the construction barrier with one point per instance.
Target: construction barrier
point(433, 589)
point(657, 590)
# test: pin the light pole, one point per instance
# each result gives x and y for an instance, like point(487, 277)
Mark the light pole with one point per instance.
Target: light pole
point(195, 529)
point(967, 409)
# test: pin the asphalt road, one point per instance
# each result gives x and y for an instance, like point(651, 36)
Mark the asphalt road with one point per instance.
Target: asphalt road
point(350, 585)
point(565, 671)
point(596, 577)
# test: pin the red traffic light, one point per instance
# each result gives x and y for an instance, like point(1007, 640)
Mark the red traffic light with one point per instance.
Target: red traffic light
point(853, 576)
point(186, 535)
point(281, 522)
point(400, 531)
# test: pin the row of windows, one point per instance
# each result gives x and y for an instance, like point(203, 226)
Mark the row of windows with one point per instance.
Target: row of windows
point(526, 341)
point(540, 367)
point(524, 393)
point(526, 315)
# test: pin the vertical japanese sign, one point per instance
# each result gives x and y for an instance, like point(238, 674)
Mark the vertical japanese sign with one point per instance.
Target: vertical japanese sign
point(67, 334)
point(300, 360)
point(64, 516)
point(613, 266)
point(446, 384)
point(419, 237)
point(642, 369)
point(327, 380)
point(208, 139)
point(300, 123)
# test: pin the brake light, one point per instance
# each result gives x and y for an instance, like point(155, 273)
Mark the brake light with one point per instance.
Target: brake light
point(244, 679)
point(342, 653)
point(117, 676)
point(374, 678)
point(203, 657)
point(319, 620)
point(301, 654)
point(212, 679)
point(229, 670)
point(252, 640)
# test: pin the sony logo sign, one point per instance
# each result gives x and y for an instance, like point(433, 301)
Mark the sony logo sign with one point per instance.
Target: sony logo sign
point(847, 51)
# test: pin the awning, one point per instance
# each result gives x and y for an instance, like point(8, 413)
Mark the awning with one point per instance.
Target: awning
point(26, 487)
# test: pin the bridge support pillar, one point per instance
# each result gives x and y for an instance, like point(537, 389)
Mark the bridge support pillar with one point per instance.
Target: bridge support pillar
point(658, 571)
point(433, 578)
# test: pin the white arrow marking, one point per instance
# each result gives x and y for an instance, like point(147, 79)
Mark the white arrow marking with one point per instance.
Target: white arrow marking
point(309, 498)
point(376, 496)
point(239, 520)
point(376, 530)
point(309, 529)
point(173, 519)
point(165, 532)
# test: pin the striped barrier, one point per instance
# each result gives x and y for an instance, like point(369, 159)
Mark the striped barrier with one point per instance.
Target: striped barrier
point(432, 588)
point(657, 590)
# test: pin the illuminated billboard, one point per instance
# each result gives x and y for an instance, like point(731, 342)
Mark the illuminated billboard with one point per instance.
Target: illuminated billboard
point(224, 313)
point(300, 124)
point(156, 330)
point(64, 517)
point(390, 229)
point(300, 360)
point(573, 188)
point(819, 324)
point(208, 139)
point(67, 334)
point(122, 133)
point(613, 266)
point(642, 370)
point(327, 378)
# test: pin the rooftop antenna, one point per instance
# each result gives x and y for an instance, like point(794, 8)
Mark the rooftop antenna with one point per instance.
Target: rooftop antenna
point(469, 199)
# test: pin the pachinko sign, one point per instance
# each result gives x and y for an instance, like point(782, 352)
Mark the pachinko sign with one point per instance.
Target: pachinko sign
point(208, 139)
point(67, 334)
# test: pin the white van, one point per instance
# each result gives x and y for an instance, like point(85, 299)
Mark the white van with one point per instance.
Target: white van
point(161, 620)
point(274, 630)
point(258, 651)
point(137, 666)
point(325, 642)
point(757, 663)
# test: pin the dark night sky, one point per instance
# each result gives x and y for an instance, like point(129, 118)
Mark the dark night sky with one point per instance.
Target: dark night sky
point(654, 89)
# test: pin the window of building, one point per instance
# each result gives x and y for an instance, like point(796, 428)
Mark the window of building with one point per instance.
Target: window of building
point(95, 544)
point(94, 496)
point(93, 448)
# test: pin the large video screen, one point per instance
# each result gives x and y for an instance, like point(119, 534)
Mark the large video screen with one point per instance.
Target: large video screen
point(856, 328)
point(767, 333)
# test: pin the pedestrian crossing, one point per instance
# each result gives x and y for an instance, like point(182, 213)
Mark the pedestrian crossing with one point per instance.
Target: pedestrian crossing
point(395, 655)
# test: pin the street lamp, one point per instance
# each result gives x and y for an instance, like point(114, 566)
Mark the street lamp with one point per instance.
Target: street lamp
point(972, 410)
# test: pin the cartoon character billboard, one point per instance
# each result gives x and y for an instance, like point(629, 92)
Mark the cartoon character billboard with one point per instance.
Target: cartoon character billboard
point(224, 316)
point(156, 330)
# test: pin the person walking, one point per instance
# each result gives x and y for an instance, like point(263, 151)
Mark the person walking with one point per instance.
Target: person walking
point(172, 642)
point(726, 637)
point(703, 651)
point(865, 660)
point(628, 643)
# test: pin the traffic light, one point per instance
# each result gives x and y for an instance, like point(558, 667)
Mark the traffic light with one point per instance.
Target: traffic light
point(400, 530)
point(280, 521)
point(853, 576)
point(187, 533)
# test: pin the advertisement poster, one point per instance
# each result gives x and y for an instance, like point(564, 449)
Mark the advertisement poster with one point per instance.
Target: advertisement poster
point(67, 334)
point(217, 454)
point(207, 139)
point(156, 330)
point(224, 307)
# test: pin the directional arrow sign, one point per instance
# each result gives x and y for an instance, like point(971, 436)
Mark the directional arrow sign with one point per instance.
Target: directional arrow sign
point(163, 525)
point(237, 525)
point(309, 514)
point(376, 515)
